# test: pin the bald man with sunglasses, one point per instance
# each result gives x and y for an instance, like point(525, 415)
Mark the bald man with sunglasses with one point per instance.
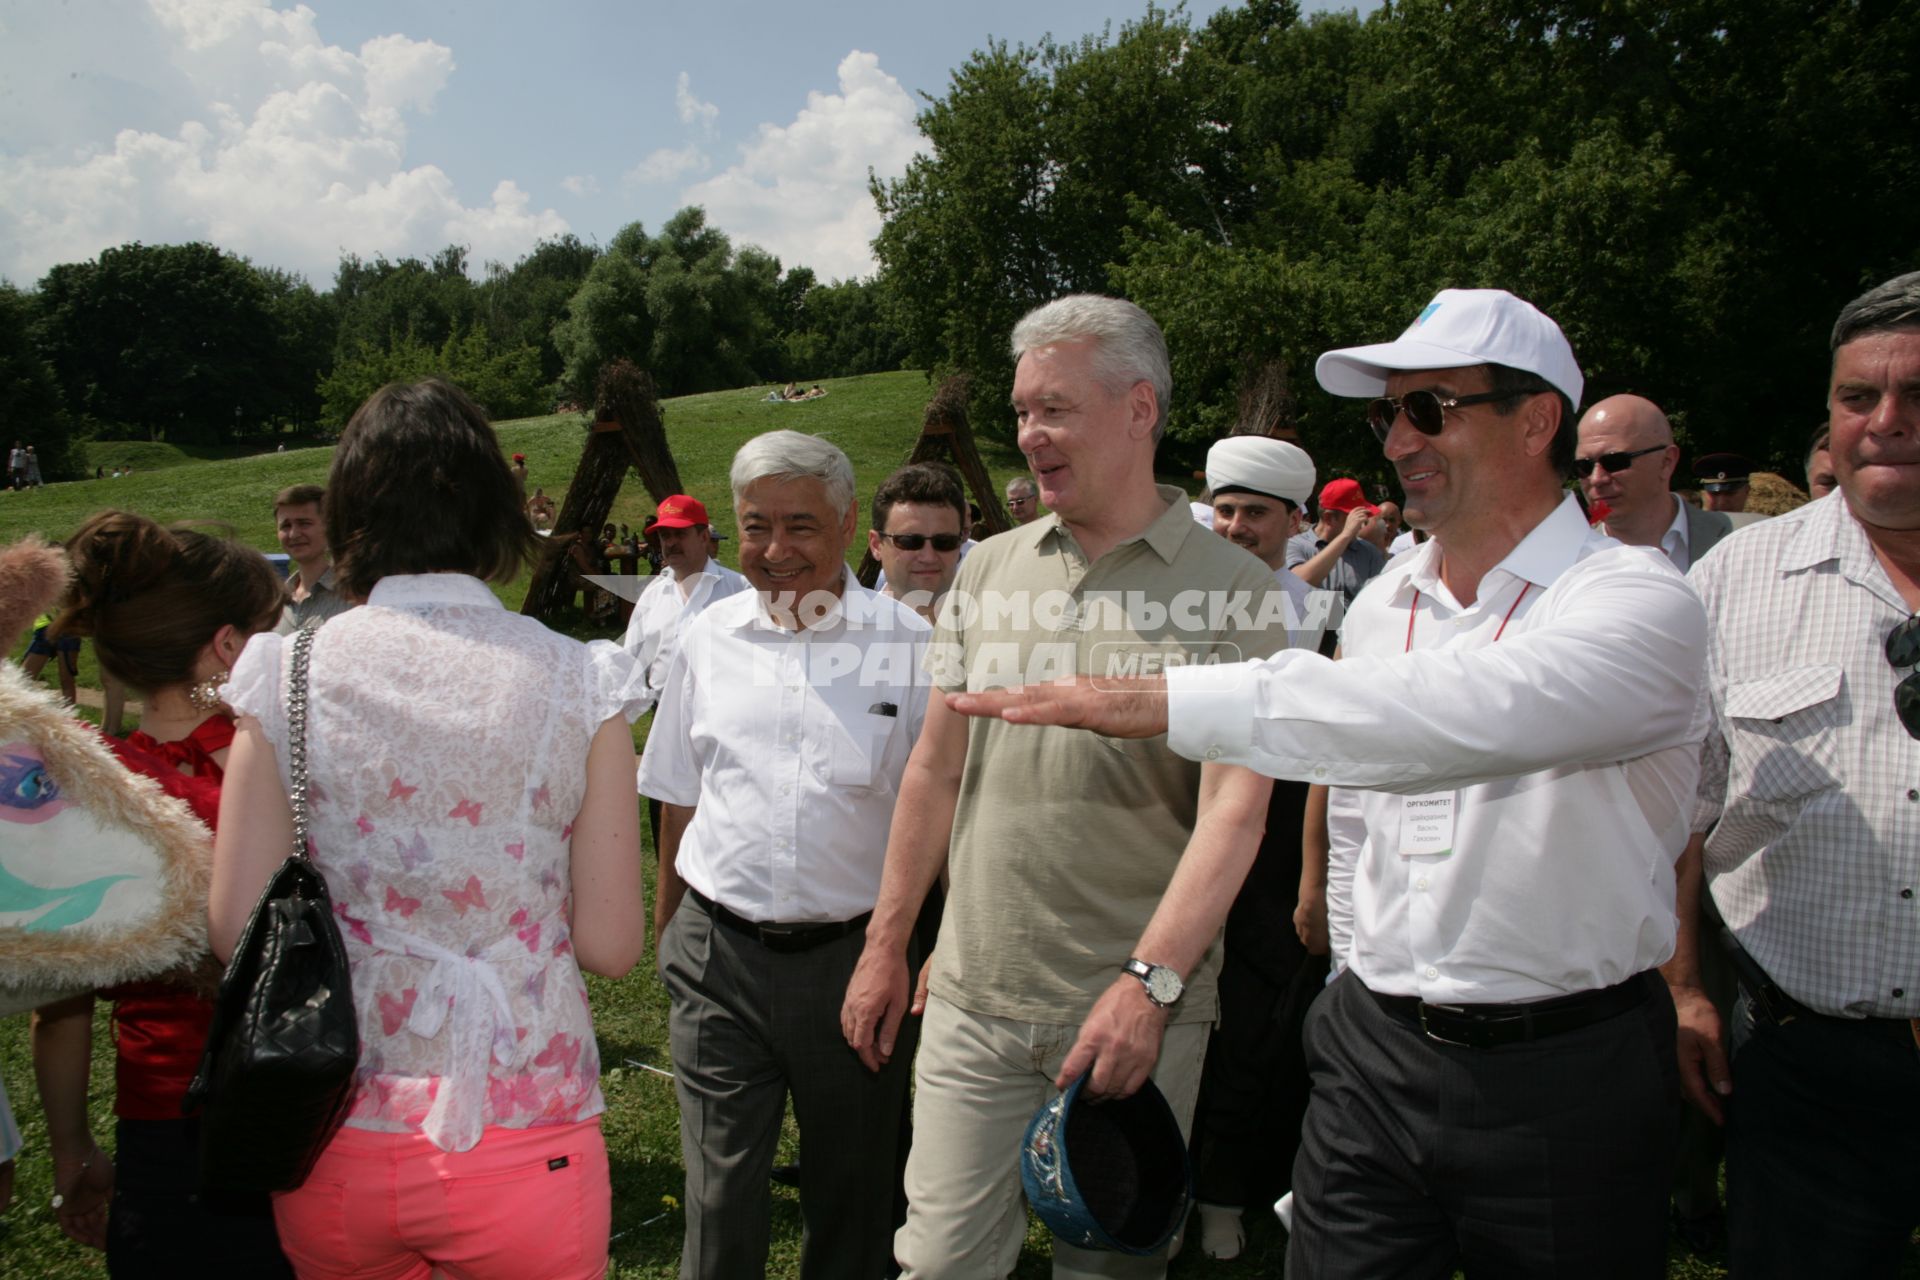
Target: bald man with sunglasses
point(1518, 712)
point(1625, 459)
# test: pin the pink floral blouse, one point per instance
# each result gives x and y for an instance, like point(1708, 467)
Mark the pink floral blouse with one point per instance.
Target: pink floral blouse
point(447, 749)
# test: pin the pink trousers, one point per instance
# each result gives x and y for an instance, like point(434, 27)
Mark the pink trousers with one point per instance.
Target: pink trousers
point(523, 1204)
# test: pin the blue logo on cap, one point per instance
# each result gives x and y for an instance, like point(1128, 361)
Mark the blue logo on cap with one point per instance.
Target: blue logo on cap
point(1424, 316)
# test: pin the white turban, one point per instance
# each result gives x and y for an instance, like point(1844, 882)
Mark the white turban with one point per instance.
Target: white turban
point(1261, 464)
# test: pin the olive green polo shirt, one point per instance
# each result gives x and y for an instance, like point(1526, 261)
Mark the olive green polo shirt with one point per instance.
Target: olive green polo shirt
point(1064, 841)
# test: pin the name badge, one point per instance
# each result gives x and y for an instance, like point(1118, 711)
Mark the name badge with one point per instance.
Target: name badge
point(1426, 824)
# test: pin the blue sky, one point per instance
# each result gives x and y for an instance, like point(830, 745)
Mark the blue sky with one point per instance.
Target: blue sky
point(292, 133)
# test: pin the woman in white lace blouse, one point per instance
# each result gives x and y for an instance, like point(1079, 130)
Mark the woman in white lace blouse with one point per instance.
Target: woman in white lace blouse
point(471, 790)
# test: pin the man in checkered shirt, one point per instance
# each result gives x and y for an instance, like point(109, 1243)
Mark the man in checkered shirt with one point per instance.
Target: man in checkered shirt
point(1808, 832)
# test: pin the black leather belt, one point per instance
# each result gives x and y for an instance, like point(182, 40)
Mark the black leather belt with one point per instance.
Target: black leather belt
point(1486, 1026)
point(781, 937)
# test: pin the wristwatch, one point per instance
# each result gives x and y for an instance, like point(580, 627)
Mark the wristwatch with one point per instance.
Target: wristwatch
point(1163, 984)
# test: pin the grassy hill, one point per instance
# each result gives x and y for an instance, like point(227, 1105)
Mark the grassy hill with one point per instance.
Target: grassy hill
point(875, 418)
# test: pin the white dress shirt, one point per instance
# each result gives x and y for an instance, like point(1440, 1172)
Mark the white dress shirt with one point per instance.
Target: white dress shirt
point(1815, 861)
point(1570, 744)
point(661, 613)
point(779, 741)
point(1674, 540)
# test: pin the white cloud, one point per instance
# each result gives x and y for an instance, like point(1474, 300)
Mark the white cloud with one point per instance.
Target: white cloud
point(691, 109)
point(282, 147)
point(800, 189)
point(666, 164)
point(581, 185)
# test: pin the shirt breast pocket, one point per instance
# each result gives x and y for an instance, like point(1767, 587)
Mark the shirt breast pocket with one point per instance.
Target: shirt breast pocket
point(857, 752)
point(1782, 739)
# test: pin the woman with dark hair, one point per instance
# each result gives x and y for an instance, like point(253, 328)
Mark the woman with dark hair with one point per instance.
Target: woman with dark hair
point(472, 808)
point(169, 610)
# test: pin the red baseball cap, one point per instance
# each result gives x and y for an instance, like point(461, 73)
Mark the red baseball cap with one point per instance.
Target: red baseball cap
point(678, 512)
point(1344, 495)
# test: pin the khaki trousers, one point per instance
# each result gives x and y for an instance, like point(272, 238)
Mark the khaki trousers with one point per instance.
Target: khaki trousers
point(978, 1081)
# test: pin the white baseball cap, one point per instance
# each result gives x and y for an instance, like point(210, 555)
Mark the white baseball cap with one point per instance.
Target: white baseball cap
point(1460, 327)
point(1261, 464)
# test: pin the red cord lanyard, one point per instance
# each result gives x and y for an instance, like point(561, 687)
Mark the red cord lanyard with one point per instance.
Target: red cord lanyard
point(1413, 612)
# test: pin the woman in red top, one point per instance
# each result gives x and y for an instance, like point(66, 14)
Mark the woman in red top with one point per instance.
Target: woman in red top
point(169, 611)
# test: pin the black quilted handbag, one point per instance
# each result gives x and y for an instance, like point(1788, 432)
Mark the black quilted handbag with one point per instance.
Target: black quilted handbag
point(277, 1073)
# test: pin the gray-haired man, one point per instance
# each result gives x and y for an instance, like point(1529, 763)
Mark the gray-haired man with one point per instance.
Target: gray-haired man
point(782, 731)
point(1078, 868)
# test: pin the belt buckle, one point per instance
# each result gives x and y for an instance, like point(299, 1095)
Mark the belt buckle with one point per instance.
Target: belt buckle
point(1430, 1033)
point(776, 938)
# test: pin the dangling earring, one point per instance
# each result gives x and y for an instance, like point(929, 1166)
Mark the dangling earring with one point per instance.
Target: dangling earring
point(205, 694)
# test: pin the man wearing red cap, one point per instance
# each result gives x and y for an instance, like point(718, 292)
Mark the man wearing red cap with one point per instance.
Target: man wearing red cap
point(689, 580)
point(1335, 554)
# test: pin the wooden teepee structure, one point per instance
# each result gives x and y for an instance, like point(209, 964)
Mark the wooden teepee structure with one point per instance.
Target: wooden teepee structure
point(626, 432)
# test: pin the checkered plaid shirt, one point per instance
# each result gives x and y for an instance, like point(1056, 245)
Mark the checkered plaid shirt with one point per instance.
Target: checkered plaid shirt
point(1815, 861)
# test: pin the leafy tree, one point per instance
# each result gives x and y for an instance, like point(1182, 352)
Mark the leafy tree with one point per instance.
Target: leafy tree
point(1692, 189)
point(177, 341)
point(31, 407)
point(380, 301)
point(684, 305)
point(506, 383)
point(303, 325)
point(521, 304)
point(838, 330)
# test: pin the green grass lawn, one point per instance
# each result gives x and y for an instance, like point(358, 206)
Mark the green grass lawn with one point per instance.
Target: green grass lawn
point(876, 420)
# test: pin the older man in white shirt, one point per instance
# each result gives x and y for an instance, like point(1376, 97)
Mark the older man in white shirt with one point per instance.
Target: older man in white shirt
point(1517, 702)
point(778, 747)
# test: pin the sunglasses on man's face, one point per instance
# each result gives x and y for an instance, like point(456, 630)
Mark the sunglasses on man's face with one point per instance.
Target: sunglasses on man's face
point(1613, 463)
point(1903, 650)
point(915, 541)
point(1426, 410)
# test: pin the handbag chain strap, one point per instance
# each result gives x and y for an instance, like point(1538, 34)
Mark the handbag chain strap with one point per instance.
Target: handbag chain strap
point(297, 735)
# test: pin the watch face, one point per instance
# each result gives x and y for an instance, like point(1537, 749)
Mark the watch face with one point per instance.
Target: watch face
point(1164, 985)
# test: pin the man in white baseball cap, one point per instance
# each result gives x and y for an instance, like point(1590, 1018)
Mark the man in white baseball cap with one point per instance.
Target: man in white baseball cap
point(1517, 712)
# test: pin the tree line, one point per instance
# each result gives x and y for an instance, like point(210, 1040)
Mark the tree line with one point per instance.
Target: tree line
point(1691, 188)
point(194, 345)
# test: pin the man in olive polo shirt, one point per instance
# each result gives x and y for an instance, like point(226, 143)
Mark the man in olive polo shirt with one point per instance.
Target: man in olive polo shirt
point(1088, 877)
